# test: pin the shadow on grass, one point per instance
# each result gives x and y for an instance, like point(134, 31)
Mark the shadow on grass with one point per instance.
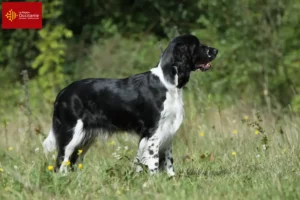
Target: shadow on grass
point(194, 172)
point(242, 170)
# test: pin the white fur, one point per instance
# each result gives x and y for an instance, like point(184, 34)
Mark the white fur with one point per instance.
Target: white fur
point(77, 139)
point(142, 149)
point(168, 163)
point(151, 159)
point(49, 143)
point(176, 77)
point(172, 114)
point(170, 120)
point(158, 72)
point(141, 158)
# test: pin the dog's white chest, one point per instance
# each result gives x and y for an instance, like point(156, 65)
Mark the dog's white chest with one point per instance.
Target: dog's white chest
point(171, 116)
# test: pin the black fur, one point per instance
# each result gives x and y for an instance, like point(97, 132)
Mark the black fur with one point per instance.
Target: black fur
point(131, 104)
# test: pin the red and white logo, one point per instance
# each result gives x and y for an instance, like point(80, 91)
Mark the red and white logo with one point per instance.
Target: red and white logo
point(22, 15)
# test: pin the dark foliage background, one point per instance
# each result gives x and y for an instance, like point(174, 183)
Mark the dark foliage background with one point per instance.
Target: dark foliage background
point(258, 41)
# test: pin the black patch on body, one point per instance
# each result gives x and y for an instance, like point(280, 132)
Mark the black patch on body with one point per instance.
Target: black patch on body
point(151, 152)
point(130, 104)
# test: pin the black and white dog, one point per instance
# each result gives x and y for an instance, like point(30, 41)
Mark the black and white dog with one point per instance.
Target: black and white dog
point(149, 104)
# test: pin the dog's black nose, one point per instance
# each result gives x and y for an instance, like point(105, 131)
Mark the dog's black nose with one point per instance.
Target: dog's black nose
point(212, 51)
point(215, 51)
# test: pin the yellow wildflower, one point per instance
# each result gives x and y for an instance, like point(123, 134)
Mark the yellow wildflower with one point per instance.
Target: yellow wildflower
point(10, 148)
point(112, 143)
point(80, 166)
point(119, 192)
point(79, 151)
point(50, 167)
point(67, 163)
point(246, 117)
point(284, 150)
point(256, 132)
point(233, 153)
point(1, 170)
point(234, 131)
point(201, 133)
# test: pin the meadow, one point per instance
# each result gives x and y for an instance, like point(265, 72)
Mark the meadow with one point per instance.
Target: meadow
point(232, 153)
point(240, 134)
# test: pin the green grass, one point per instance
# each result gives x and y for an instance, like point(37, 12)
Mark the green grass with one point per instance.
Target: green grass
point(266, 165)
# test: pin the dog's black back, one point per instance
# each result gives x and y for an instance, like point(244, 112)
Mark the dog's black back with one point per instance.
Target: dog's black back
point(129, 104)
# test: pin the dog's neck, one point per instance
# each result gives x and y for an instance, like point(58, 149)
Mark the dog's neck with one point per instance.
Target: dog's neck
point(169, 81)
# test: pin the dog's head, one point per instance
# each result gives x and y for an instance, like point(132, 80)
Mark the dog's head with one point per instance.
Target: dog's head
point(184, 55)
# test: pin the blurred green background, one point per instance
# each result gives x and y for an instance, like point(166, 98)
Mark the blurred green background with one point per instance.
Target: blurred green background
point(258, 42)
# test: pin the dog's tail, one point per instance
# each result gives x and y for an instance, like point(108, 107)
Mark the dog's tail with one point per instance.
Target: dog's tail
point(49, 143)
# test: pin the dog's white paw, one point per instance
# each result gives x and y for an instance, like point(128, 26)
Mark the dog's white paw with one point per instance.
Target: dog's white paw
point(63, 169)
point(171, 173)
point(139, 169)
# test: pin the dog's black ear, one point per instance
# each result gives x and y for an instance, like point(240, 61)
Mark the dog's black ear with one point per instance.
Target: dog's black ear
point(182, 61)
point(180, 53)
point(176, 62)
point(192, 49)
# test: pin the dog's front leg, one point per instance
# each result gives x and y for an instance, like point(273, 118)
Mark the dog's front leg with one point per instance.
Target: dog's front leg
point(152, 153)
point(141, 158)
point(169, 161)
point(148, 154)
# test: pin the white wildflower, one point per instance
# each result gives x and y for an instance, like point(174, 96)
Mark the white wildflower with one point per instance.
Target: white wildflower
point(116, 156)
point(145, 185)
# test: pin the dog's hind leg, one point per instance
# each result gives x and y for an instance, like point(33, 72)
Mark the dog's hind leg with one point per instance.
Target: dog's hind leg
point(70, 149)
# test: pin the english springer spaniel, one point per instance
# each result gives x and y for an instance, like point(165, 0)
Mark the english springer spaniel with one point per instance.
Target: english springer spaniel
point(149, 104)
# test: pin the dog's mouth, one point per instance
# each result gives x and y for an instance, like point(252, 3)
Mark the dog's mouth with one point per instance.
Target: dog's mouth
point(203, 67)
